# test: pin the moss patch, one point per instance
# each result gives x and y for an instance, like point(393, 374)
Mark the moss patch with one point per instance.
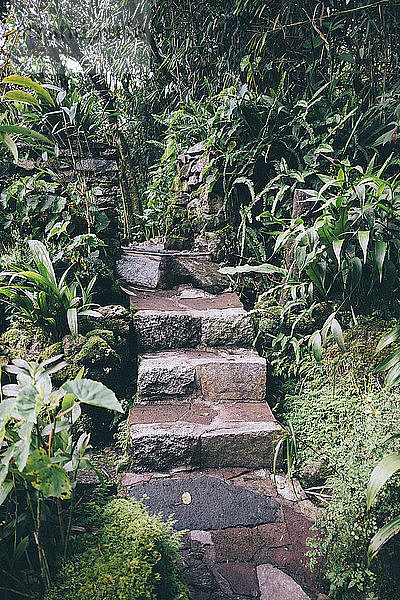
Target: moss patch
point(131, 556)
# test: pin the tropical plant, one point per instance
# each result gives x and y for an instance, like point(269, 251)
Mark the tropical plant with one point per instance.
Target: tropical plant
point(10, 103)
point(384, 470)
point(51, 304)
point(39, 461)
point(390, 364)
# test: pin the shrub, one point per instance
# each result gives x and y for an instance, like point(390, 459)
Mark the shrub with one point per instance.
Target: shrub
point(342, 417)
point(130, 557)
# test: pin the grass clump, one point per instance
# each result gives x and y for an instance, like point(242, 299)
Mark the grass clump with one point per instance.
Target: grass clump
point(128, 555)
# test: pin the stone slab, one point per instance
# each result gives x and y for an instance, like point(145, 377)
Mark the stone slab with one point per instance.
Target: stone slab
point(212, 374)
point(140, 270)
point(214, 503)
point(182, 299)
point(169, 435)
point(276, 585)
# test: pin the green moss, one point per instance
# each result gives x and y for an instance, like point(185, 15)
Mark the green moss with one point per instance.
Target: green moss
point(105, 334)
point(96, 353)
point(131, 556)
point(21, 342)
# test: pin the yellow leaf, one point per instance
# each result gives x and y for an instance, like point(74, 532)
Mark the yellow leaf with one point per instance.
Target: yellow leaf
point(186, 498)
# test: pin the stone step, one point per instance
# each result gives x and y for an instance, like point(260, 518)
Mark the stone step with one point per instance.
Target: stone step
point(154, 267)
point(217, 375)
point(206, 435)
point(188, 317)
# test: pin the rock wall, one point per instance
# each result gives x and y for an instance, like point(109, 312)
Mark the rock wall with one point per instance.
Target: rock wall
point(200, 217)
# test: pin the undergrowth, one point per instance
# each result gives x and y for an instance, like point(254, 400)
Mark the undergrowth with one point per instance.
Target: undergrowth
point(343, 419)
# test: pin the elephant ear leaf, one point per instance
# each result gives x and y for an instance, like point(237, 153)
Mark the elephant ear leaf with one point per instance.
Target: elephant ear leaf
point(92, 392)
point(50, 479)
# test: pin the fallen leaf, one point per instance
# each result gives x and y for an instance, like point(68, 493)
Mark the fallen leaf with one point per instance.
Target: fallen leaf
point(186, 498)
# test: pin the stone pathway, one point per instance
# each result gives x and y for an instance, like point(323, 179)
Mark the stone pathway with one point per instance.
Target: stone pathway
point(201, 417)
point(242, 538)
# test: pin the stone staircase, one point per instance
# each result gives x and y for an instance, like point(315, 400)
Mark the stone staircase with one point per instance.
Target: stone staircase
point(201, 385)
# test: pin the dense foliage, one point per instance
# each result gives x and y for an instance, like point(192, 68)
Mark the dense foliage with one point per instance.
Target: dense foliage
point(296, 107)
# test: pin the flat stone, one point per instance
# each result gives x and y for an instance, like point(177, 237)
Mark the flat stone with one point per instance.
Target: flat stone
point(290, 489)
point(240, 379)
point(134, 478)
point(99, 165)
point(245, 447)
point(167, 375)
point(203, 537)
point(274, 535)
point(140, 270)
point(229, 327)
point(241, 577)
point(156, 449)
point(214, 503)
point(183, 299)
point(276, 585)
point(199, 273)
point(239, 543)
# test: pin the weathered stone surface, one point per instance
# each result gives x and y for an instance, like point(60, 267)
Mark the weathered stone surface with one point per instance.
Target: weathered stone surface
point(276, 585)
point(212, 374)
point(241, 446)
point(161, 330)
point(160, 432)
point(188, 328)
point(275, 535)
point(182, 299)
point(99, 165)
point(140, 270)
point(241, 577)
point(164, 448)
point(200, 273)
point(238, 377)
point(230, 327)
point(236, 544)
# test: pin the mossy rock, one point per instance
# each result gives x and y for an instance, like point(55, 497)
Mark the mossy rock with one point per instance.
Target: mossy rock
point(131, 556)
point(19, 341)
point(105, 334)
point(97, 355)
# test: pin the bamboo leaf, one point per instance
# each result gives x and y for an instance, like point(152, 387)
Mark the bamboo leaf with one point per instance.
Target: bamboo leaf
point(25, 131)
point(20, 96)
point(380, 253)
point(338, 334)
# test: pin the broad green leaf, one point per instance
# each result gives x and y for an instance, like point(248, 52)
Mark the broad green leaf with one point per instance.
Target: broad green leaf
point(363, 238)
point(93, 392)
point(28, 403)
point(11, 145)
point(380, 252)
point(6, 409)
point(41, 257)
point(20, 130)
point(30, 84)
point(383, 471)
point(382, 536)
point(22, 447)
point(393, 375)
point(20, 96)
point(389, 362)
point(5, 489)
point(4, 463)
point(356, 271)
point(316, 346)
point(72, 318)
point(48, 478)
point(388, 338)
point(337, 334)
